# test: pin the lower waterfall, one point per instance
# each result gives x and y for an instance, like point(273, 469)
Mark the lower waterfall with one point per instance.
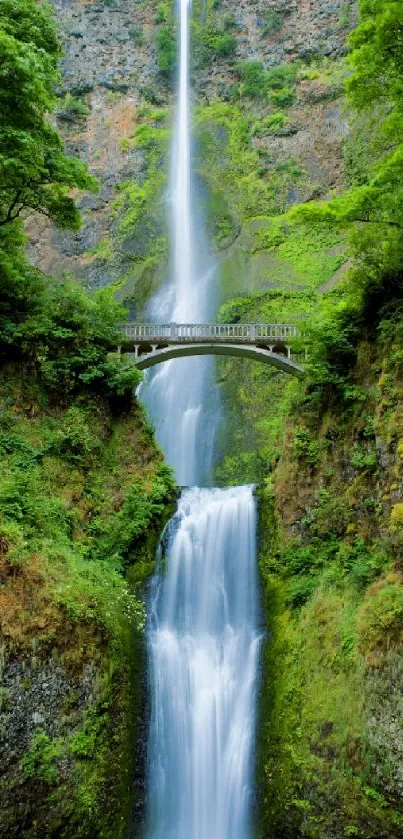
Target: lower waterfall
point(203, 646)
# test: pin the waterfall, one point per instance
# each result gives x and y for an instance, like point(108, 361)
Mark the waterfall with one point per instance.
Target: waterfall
point(203, 640)
point(204, 647)
point(175, 393)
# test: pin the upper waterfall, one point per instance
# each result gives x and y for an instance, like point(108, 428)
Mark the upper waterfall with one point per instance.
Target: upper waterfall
point(185, 304)
point(180, 396)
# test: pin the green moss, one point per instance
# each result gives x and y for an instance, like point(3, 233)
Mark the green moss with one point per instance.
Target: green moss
point(40, 761)
point(315, 759)
point(84, 493)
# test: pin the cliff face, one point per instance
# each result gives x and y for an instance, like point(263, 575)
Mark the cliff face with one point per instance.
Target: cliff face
point(108, 71)
point(84, 495)
point(115, 88)
point(330, 737)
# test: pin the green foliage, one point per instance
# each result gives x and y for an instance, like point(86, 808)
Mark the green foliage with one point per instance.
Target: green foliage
point(324, 713)
point(274, 22)
point(377, 56)
point(283, 97)
point(41, 761)
point(381, 618)
point(75, 440)
point(212, 44)
point(364, 459)
point(305, 447)
point(276, 84)
point(236, 191)
point(371, 208)
point(136, 35)
point(73, 105)
point(36, 174)
point(253, 79)
point(67, 337)
point(281, 76)
point(272, 124)
point(166, 49)
point(121, 536)
point(139, 207)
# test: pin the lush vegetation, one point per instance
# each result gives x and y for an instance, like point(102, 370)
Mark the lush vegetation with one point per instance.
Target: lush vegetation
point(331, 512)
point(165, 41)
point(327, 452)
point(331, 564)
point(370, 209)
point(83, 489)
point(35, 173)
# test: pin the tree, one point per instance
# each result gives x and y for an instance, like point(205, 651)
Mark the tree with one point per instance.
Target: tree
point(375, 86)
point(376, 56)
point(35, 174)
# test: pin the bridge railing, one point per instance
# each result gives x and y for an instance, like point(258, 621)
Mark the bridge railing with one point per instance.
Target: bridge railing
point(172, 332)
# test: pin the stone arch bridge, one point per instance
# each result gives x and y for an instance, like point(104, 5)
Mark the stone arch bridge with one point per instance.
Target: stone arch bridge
point(269, 343)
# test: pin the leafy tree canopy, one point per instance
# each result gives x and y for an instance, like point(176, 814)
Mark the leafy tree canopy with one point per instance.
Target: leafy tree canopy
point(371, 208)
point(376, 56)
point(35, 174)
point(375, 86)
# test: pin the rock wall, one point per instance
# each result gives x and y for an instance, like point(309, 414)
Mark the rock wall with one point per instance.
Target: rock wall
point(110, 65)
point(72, 618)
point(331, 529)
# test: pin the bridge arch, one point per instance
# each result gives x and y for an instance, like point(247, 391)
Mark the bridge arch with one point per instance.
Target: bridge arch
point(279, 360)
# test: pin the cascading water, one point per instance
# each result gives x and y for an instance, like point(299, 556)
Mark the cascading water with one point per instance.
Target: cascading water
point(176, 393)
point(204, 648)
point(203, 639)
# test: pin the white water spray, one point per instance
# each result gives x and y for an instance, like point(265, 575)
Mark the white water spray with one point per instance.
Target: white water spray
point(176, 392)
point(203, 638)
point(204, 646)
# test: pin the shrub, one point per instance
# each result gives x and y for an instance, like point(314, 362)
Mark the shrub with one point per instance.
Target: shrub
point(136, 35)
point(380, 621)
point(74, 106)
point(228, 21)
point(274, 22)
point(281, 76)
point(210, 44)
point(222, 44)
point(283, 97)
point(305, 447)
point(396, 516)
point(253, 79)
point(275, 122)
point(299, 590)
point(68, 339)
point(166, 49)
point(364, 459)
point(256, 82)
point(75, 439)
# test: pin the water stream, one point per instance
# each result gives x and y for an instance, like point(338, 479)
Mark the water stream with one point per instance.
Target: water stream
point(203, 639)
point(176, 392)
point(204, 647)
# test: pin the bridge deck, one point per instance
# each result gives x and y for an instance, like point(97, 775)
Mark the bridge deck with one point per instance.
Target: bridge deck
point(240, 333)
point(153, 343)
